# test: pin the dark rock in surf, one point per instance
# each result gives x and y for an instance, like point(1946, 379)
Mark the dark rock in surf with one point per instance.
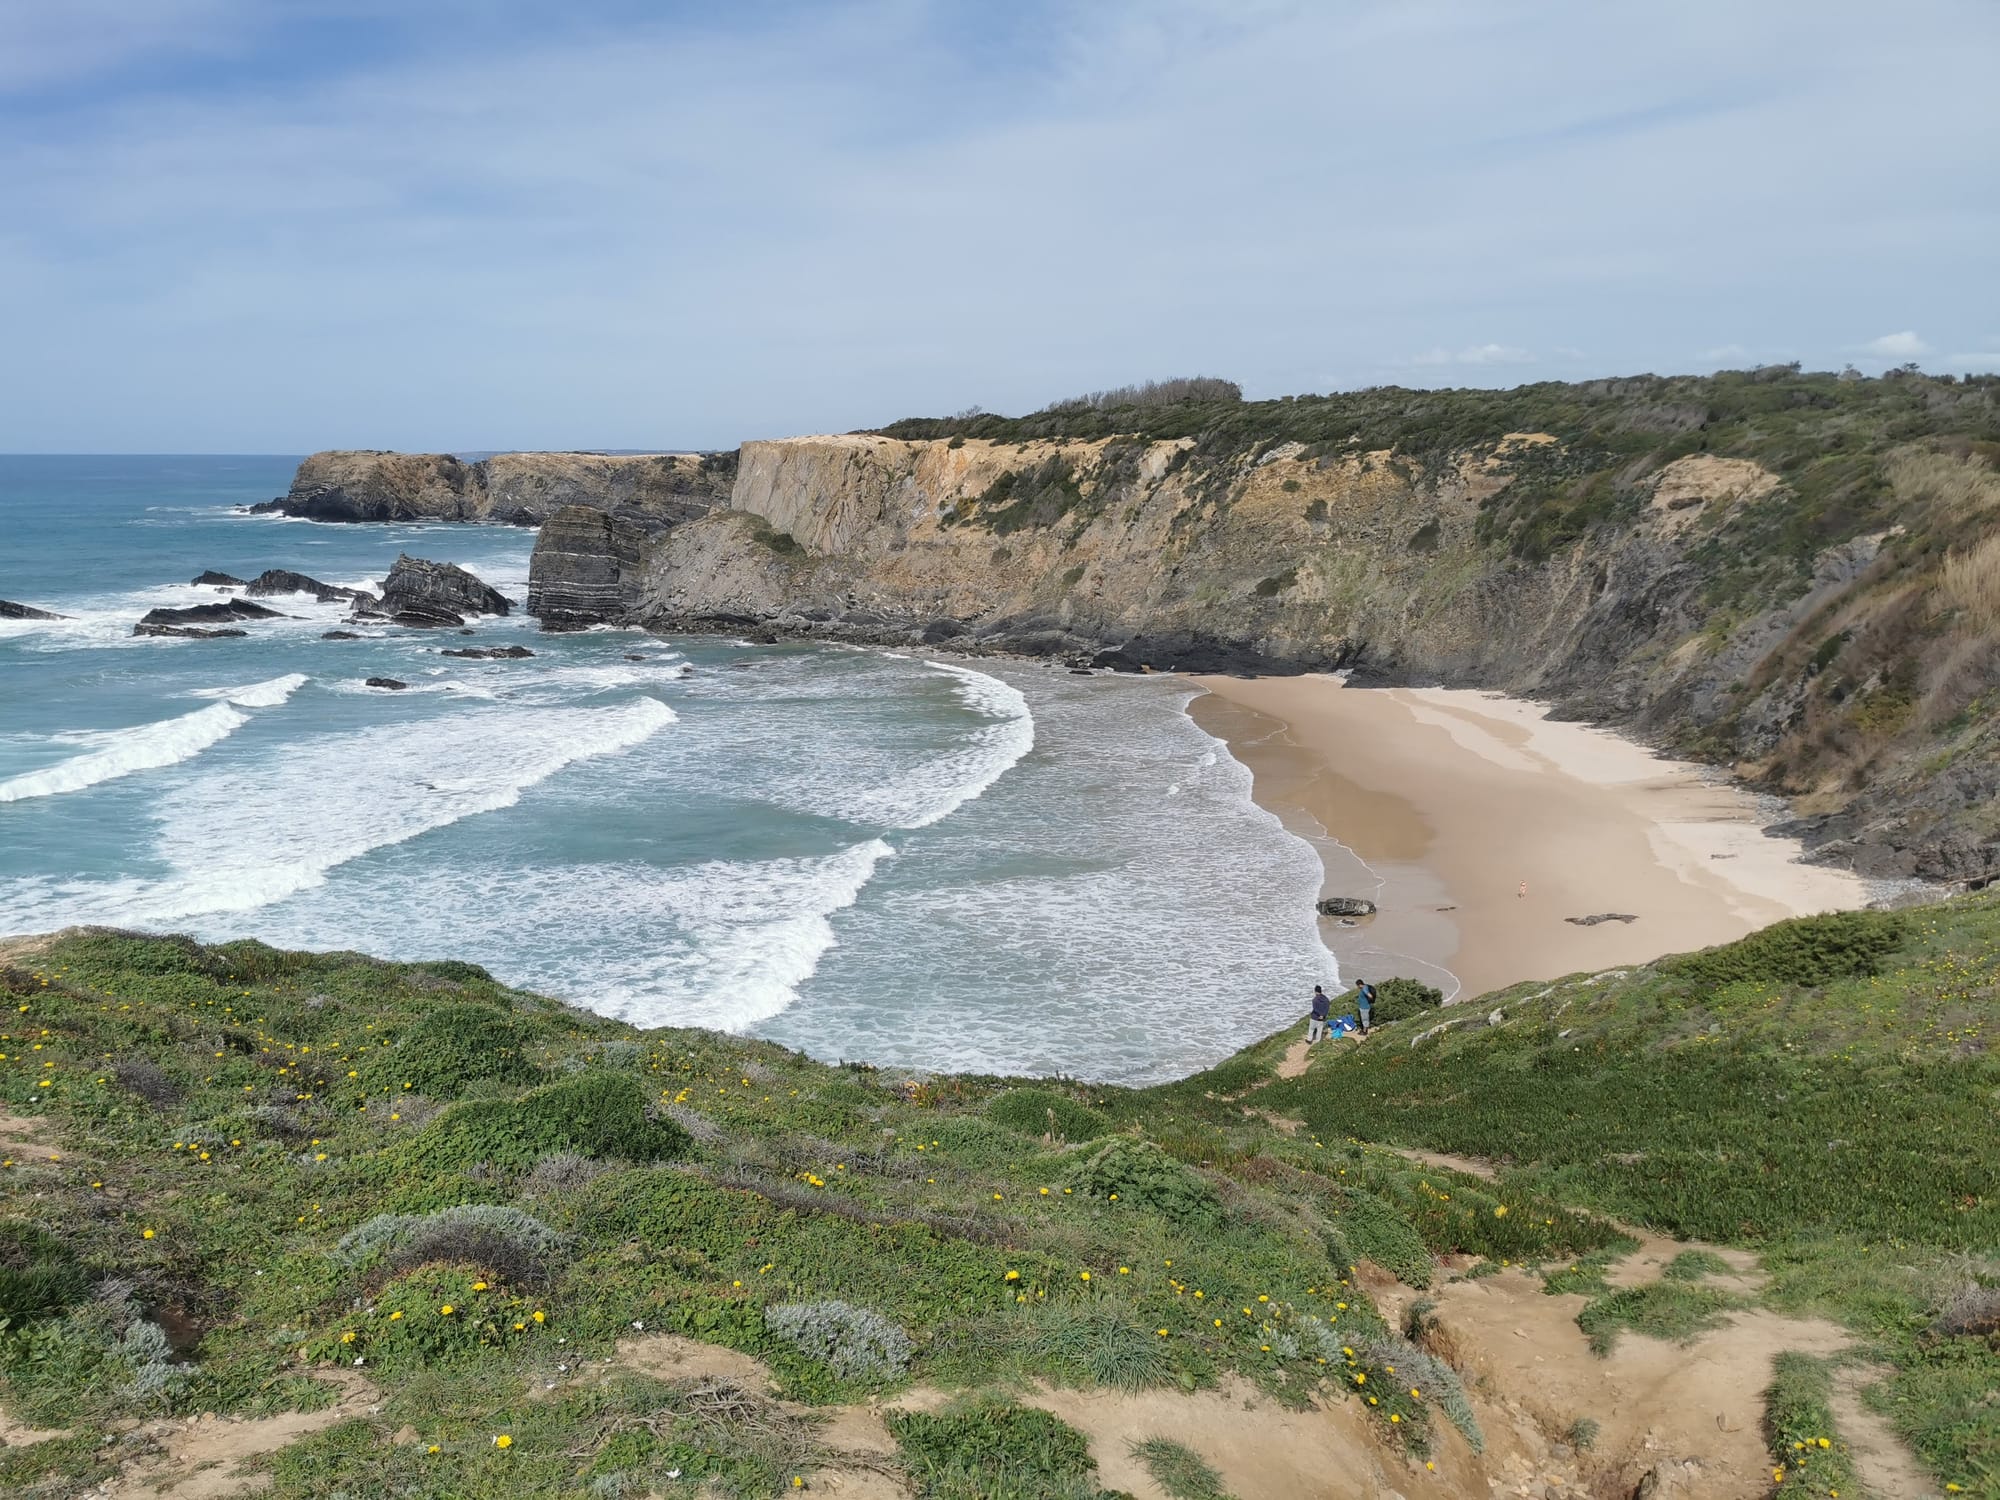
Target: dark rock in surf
point(9, 610)
point(390, 683)
point(424, 593)
point(339, 635)
point(214, 579)
point(284, 581)
point(194, 618)
point(186, 632)
point(488, 653)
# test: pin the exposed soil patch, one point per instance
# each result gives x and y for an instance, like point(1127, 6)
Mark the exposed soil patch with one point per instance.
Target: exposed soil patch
point(1444, 1160)
point(203, 1458)
point(1884, 1463)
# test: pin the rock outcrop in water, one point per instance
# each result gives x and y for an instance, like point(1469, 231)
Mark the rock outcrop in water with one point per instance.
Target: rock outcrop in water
point(9, 610)
point(585, 568)
point(420, 592)
point(203, 621)
point(209, 578)
point(284, 581)
point(651, 490)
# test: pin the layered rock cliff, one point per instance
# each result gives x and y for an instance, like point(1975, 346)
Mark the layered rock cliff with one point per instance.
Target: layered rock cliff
point(1782, 574)
point(650, 490)
point(585, 568)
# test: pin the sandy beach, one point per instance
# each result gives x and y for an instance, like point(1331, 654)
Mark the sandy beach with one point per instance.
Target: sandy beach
point(1479, 826)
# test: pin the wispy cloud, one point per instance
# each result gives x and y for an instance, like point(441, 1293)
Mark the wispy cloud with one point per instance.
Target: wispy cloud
point(233, 224)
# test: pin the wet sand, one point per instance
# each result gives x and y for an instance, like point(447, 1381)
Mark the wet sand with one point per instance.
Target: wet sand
point(1444, 805)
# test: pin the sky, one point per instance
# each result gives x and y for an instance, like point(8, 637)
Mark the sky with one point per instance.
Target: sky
point(282, 225)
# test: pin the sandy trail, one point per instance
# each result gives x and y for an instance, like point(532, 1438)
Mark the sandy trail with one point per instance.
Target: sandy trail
point(1886, 1466)
point(203, 1458)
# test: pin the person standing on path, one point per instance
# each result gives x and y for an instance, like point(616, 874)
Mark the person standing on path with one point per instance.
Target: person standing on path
point(1364, 1002)
point(1321, 1005)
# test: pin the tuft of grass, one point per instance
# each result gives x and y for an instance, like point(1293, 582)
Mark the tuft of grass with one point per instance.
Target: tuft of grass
point(1101, 1345)
point(1693, 1265)
point(1798, 1425)
point(1664, 1310)
point(985, 1449)
point(1180, 1471)
point(1582, 1434)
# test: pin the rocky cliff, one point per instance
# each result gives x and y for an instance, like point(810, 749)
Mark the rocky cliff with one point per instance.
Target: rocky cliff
point(1790, 574)
point(585, 568)
point(650, 490)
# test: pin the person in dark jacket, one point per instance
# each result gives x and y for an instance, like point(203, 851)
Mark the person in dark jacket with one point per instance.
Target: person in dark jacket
point(1364, 1002)
point(1321, 1006)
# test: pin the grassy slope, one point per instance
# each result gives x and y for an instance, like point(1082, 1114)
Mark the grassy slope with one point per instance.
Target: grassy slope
point(251, 1108)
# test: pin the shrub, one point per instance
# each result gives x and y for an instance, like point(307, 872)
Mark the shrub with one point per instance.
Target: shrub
point(38, 1275)
point(1693, 1265)
point(1804, 951)
point(1030, 1111)
point(149, 1081)
point(447, 1048)
point(595, 1115)
point(1400, 999)
point(561, 1173)
point(851, 1341)
point(503, 1239)
point(1437, 1380)
point(1144, 1176)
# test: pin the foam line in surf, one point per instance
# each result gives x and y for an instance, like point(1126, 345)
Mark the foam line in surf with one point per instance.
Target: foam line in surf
point(258, 694)
point(146, 748)
point(241, 844)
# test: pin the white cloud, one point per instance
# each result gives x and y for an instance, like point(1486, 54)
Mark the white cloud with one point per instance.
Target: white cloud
point(1904, 345)
point(807, 217)
point(1475, 354)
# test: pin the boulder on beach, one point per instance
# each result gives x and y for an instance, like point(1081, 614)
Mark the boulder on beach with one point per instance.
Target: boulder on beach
point(1345, 906)
point(213, 579)
point(1602, 916)
point(387, 682)
point(198, 619)
point(9, 610)
point(424, 593)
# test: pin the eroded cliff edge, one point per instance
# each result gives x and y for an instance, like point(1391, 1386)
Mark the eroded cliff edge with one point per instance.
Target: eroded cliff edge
point(522, 489)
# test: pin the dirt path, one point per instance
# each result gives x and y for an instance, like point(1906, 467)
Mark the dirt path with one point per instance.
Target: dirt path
point(1883, 1462)
point(203, 1458)
point(1445, 1161)
point(1293, 1063)
point(22, 1139)
point(1645, 1265)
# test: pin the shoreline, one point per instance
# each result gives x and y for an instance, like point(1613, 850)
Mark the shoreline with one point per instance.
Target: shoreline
point(1443, 804)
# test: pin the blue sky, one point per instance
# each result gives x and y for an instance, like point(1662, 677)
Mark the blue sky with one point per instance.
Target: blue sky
point(278, 225)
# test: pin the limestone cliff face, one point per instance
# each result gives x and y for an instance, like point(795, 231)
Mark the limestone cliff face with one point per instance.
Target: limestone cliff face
point(650, 490)
point(1846, 688)
point(1130, 553)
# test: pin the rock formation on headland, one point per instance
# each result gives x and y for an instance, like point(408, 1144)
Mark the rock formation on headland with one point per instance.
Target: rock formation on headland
point(525, 489)
point(420, 592)
point(1774, 570)
point(586, 568)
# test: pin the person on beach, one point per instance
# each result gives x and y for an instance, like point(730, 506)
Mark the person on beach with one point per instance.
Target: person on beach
point(1316, 1027)
point(1364, 1002)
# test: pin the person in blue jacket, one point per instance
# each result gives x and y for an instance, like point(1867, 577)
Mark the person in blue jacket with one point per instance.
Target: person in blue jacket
point(1364, 1002)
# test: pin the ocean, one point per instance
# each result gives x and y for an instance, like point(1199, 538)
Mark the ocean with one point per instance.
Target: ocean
point(917, 861)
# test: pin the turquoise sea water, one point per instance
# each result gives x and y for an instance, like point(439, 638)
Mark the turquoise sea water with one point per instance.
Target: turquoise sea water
point(923, 862)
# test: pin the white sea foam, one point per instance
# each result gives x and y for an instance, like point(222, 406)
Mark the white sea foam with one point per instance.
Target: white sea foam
point(258, 694)
point(145, 748)
point(936, 788)
point(243, 843)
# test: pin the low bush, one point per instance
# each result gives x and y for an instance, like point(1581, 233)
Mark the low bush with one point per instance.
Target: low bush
point(1400, 999)
point(851, 1341)
point(1099, 1345)
point(1178, 1470)
point(38, 1274)
point(600, 1115)
point(1141, 1175)
point(515, 1245)
point(1043, 1112)
point(1807, 951)
point(1662, 1310)
point(446, 1048)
